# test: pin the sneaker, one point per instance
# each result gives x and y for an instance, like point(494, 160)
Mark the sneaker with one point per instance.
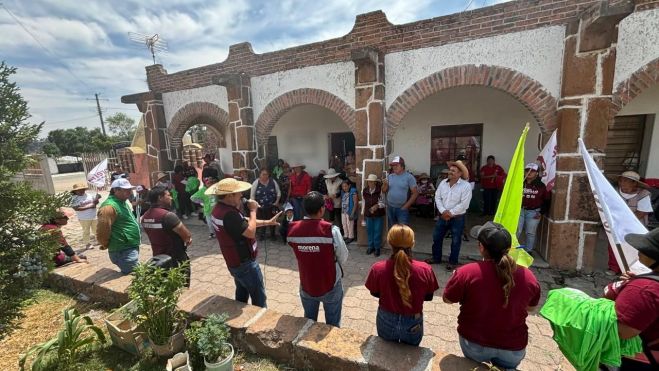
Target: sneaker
point(349, 240)
point(194, 214)
point(433, 261)
point(211, 236)
point(185, 217)
point(450, 267)
point(369, 251)
point(377, 253)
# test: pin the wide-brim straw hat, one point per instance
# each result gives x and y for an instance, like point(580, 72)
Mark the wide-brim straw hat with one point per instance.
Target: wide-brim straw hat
point(632, 175)
point(79, 186)
point(298, 164)
point(228, 186)
point(160, 175)
point(462, 167)
point(331, 173)
point(372, 178)
point(423, 176)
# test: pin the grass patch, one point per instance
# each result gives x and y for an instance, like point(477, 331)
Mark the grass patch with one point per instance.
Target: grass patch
point(42, 318)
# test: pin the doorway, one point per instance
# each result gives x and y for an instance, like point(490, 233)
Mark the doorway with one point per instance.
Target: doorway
point(341, 146)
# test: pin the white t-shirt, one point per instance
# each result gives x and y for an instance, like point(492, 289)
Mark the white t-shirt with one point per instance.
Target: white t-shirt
point(81, 201)
point(644, 204)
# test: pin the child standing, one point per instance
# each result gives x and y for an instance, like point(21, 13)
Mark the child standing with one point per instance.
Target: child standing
point(348, 210)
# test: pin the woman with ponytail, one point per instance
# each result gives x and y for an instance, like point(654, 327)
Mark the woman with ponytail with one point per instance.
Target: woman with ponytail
point(495, 296)
point(402, 284)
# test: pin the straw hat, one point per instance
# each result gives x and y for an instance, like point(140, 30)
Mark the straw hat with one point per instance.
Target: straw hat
point(632, 175)
point(423, 176)
point(79, 186)
point(462, 167)
point(228, 186)
point(372, 178)
point(331, 173)
point(160, 175)
point(298, 164)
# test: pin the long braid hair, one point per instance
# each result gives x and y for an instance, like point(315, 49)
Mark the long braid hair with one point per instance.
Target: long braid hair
point(401, 240)
point(496, 241)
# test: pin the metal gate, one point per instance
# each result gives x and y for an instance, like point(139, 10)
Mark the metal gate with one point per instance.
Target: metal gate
point(624, 142)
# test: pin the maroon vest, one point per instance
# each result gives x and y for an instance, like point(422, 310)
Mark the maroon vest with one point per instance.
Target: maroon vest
point(234, 252)
point(162, 241)
point(311, 240)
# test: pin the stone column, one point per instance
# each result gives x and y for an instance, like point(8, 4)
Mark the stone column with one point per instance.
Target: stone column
point(152, 133)
point(241, 119)
point(584, 110)
point(369, 119)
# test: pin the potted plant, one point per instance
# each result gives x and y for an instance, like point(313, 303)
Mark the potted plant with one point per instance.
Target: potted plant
point(155, 292)
point(210, 340)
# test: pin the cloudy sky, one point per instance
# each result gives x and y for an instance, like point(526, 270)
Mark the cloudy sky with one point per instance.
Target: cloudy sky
point(67, 50)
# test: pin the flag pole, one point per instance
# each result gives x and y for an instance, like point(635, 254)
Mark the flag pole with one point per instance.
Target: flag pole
point(625, 266)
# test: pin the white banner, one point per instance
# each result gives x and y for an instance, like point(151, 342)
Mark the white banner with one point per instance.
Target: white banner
point(97, 175)
point(547, 159)
point(617, 218)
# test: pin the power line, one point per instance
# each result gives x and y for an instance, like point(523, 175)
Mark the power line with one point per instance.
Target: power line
point(73, 119)
point(52, 54)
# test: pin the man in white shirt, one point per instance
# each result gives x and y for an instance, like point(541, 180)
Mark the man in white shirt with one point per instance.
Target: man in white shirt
point(452, 200)
point(85, 206)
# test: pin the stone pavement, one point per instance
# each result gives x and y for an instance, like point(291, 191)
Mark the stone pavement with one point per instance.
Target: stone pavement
point(279, 267)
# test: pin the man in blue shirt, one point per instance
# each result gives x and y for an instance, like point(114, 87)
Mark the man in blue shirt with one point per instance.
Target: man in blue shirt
point(397, 186)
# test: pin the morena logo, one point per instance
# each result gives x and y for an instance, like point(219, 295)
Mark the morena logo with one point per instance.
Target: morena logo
point(307, 248)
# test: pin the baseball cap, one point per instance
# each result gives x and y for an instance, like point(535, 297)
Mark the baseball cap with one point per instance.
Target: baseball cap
point(494, 237)
point(532, 166)
point(647, 243)
point(121, 183)
point(397, 160)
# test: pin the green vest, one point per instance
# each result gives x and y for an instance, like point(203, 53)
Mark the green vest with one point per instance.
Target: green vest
point(125, 232)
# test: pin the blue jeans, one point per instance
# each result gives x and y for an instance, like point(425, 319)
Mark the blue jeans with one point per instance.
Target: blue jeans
point(249, 283)
point(528, 220)
point(125, 259)
point(397, 215)
point(332, 303)
point(456, 225)
point(399, 328)
point(298, 207)
point(501, 358)
point(374, 231)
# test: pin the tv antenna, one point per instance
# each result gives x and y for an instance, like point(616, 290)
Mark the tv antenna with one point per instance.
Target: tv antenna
point(154, 43)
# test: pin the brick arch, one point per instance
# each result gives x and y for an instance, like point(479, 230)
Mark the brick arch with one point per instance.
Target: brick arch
point(287, 101)
point(644, 78)
point(529, 92)
point(197, 113)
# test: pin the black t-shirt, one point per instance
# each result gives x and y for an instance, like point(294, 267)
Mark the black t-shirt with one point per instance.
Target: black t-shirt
point(235, 224)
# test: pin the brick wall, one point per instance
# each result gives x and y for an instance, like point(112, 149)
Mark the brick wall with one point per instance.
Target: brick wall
point(374, 30)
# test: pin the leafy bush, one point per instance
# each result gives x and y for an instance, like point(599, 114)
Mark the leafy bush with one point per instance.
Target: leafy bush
point(156, 291)
point(70, 340)
point(209, 338)
point(25, 253)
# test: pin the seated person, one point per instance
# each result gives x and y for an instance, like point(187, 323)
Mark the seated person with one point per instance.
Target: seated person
point(424, 202)
point(287, 217)
point(65, 254)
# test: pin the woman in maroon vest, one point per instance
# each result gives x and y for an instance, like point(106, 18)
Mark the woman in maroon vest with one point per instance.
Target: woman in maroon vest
point(402, 284)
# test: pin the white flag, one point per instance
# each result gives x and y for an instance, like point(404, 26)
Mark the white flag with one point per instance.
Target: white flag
point(97, 175)
point(547, 159)
point(617, 218)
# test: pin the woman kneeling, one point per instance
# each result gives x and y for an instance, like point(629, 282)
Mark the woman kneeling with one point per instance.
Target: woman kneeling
point(495, 296)
point(402, 284)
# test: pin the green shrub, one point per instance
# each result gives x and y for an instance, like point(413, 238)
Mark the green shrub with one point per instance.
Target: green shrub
point(70, 340)
point(210, 338)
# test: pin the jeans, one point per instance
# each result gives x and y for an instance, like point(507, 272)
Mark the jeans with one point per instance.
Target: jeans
point(397, 215)
point(332, 304)
point(456, 225)
point(374, 231)
point(501, 358)
point(249, 283)
point(125, 259)
point(399, 328)
point(529, 220)
point(298, 207)
point(489, 200)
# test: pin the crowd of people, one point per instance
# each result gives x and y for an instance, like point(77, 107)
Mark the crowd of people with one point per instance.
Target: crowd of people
point(316, 218)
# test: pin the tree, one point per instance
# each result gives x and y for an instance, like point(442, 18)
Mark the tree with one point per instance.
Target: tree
point(122, 126)
point(26, 254)
point(51, 149)
point(73, 142)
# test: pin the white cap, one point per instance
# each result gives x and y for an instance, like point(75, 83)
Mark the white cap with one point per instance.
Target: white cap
point(121, 183)
point(532, 166)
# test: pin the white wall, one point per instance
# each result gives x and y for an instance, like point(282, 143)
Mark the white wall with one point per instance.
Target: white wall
point(648, 103)
point(503, 120)
point(335, 78)
point(536, 53)
point(638, 43)
point(302, 135)
point(174, 101)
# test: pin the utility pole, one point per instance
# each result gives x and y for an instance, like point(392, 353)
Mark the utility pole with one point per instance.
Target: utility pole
point(100, 112)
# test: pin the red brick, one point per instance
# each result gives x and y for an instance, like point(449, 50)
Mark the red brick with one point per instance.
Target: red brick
point(600, 115)
point(375, 123)
point(563, 245)
point(569, 121)
point(579, 71)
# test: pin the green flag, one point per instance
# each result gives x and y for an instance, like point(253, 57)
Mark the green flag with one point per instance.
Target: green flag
point(510, 204)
